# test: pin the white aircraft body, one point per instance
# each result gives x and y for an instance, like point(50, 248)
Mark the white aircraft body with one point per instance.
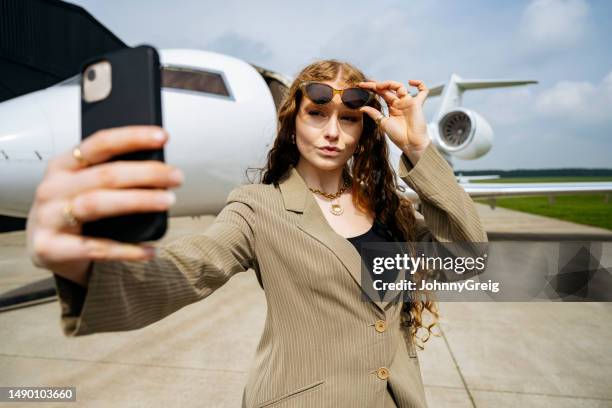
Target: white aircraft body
point(219, 128)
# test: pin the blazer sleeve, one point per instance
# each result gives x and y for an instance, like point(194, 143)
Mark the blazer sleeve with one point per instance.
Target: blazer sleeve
point(123, 295)
point(449, 213)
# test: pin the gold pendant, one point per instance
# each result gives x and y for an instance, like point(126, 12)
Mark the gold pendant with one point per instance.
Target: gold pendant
point(336, 209)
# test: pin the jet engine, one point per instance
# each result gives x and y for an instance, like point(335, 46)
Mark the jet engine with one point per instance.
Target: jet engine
point(464, 134)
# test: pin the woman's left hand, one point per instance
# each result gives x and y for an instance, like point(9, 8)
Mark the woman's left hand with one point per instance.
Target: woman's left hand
point(406, 125)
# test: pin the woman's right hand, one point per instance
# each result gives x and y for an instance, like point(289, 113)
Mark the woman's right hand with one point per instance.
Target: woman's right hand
point(98, 190)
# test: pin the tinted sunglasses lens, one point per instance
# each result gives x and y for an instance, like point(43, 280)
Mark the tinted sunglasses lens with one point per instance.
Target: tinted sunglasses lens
point(355, 97)
point(319, 93)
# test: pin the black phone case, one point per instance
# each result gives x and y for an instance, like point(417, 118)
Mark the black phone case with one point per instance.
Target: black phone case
point(135, 99)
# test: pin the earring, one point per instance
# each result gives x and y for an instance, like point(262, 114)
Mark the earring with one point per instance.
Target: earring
point(293, 138)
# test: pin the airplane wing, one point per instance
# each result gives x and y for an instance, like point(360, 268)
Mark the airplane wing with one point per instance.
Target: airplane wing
point(494, 190)
point(466, 179)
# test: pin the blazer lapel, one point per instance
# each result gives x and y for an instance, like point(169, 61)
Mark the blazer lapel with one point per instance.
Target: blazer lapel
point(298, 198)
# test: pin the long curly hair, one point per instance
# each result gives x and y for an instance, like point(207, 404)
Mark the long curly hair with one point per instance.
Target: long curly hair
point(375, 189)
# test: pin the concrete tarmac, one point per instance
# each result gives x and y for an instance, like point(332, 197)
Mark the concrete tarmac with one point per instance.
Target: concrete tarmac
point(488, 354)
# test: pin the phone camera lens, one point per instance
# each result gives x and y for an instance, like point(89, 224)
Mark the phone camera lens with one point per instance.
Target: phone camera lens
point(91, 74)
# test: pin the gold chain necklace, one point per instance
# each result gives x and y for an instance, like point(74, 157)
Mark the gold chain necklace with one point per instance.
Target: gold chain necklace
point(335, 208)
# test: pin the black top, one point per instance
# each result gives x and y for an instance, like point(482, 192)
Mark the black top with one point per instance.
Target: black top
point(377, 233)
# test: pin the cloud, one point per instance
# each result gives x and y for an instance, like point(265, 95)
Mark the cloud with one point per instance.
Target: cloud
point(607, 84)
point(381, 42)
point(242, 47)
point(579, 101)
point(552, 25)
point(506, 106)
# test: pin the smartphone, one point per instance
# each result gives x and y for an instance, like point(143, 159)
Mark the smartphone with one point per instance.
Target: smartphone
point(122, 88)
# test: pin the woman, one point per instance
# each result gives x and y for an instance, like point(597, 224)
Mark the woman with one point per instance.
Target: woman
point(327, 185)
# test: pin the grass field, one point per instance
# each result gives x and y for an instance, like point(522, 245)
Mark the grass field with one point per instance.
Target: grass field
point(582, 209)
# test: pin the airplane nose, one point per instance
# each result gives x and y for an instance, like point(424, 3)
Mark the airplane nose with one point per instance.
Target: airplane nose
point(26, 144)
point(22, 122)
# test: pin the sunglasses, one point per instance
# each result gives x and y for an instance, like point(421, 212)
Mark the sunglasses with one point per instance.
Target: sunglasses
point(321, 94)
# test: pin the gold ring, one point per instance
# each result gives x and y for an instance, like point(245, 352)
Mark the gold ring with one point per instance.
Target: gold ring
point(379, 119)
point(69, 217)
point(76, 153)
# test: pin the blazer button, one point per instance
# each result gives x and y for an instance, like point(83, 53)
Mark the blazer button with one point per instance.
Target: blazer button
point(382, 373)
point(380, 326)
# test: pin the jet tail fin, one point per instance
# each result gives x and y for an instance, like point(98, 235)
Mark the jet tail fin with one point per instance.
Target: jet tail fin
point(491, 83)
point(452, 91)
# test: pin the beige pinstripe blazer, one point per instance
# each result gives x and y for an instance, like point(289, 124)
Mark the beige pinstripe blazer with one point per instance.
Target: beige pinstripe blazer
point(320, 346)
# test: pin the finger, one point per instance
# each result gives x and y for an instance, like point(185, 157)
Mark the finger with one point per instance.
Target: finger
point(59, 248)
point(401, 92)
point(388, 95)
point(97, 204)
point(371, 112)
point(371, 85)
point(391, 91)
point(423, 90)
point(417, 83)
point(392, 85)
point(118, 174)
point(107, 143)
point(397, 87)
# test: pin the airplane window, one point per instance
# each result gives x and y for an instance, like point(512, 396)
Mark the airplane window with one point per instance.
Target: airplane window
point(194, 80)
point(181, 78)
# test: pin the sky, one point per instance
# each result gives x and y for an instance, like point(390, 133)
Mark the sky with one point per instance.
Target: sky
point(563, 121)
